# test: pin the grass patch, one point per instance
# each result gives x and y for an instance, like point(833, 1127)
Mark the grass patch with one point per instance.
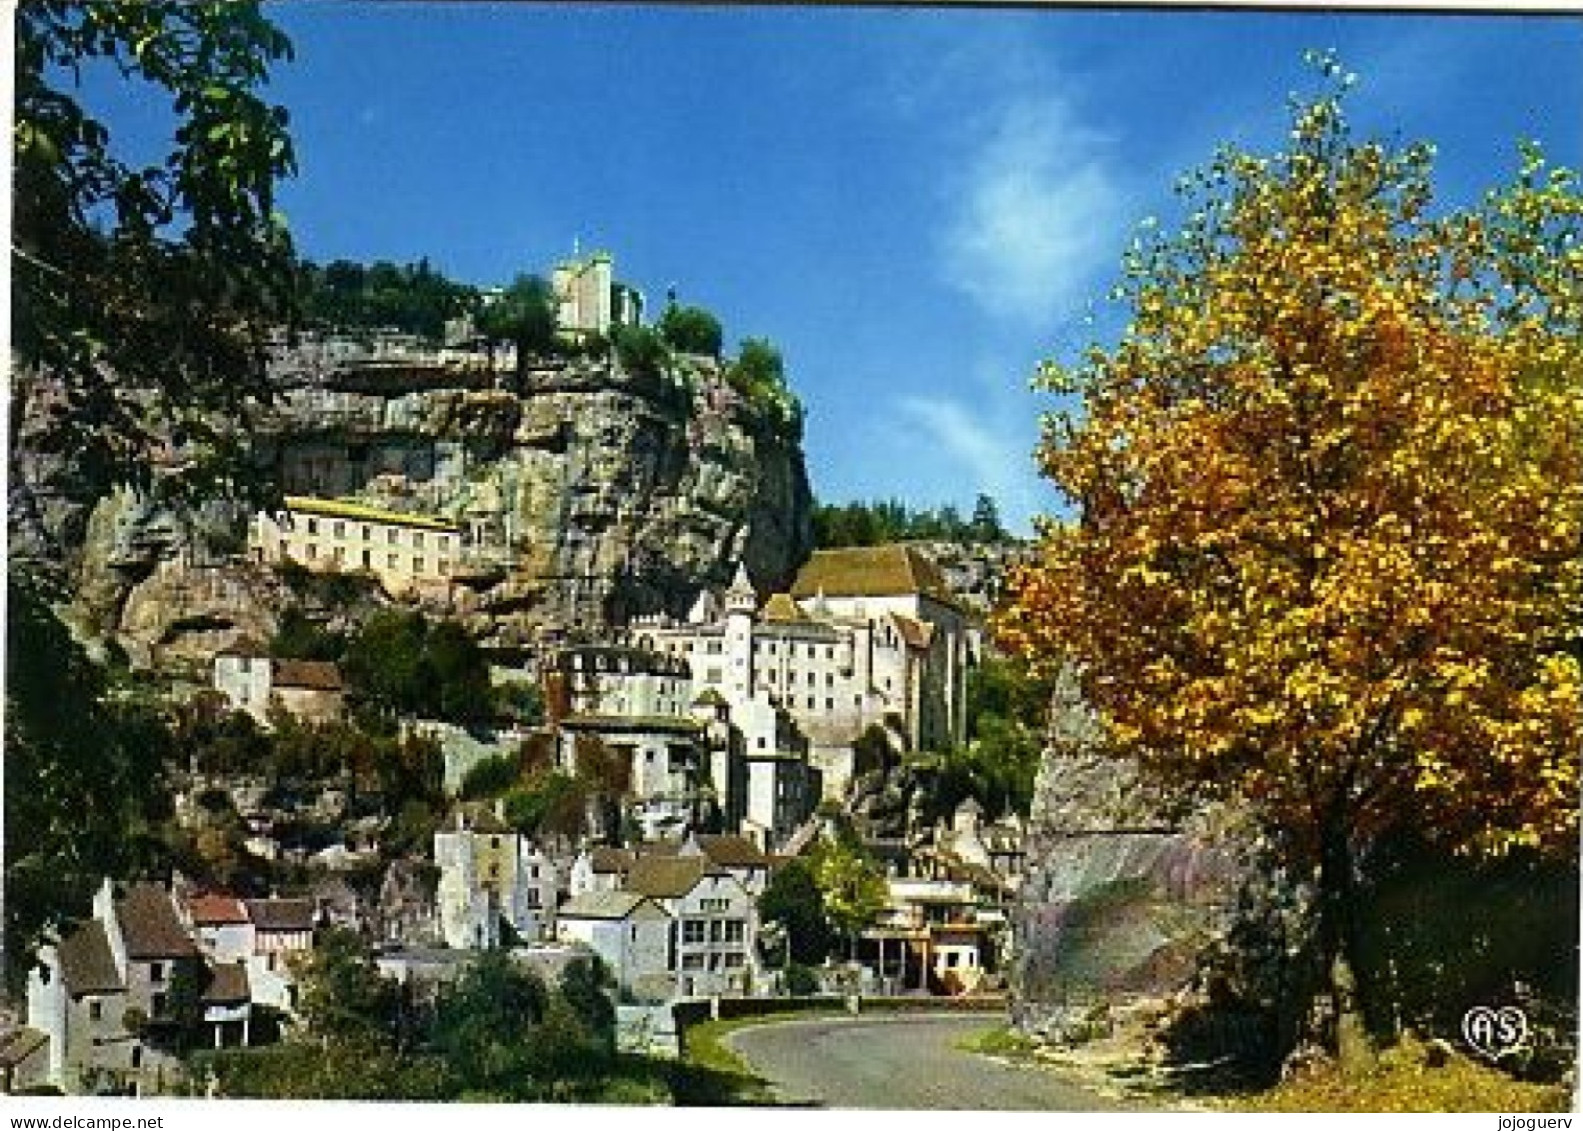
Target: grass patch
point(999, 1041)
point(713, 1075)
point(1408, 1078)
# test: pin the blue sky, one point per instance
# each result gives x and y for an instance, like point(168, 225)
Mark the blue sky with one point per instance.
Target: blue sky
point(915, 205)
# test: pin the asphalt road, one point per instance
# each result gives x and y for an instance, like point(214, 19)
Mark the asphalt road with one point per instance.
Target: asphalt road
point(900, 1062)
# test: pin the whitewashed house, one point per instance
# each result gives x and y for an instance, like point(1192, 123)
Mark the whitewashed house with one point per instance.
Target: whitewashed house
point(716, 922)
point(631, 932)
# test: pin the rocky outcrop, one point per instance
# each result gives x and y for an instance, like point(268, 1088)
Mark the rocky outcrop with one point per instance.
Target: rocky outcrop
point(589, 494)
point(976, 571)
point(1123, 894)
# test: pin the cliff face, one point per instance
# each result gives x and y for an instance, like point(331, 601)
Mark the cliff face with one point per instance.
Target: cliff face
point(1122, 894)
point(589, 496)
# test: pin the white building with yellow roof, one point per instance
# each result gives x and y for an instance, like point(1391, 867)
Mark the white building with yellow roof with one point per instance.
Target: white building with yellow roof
point(406, 552)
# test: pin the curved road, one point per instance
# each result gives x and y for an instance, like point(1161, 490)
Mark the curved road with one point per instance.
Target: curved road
point(900, 1061)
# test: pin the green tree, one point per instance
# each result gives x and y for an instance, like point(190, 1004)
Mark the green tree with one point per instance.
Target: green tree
point(141, 293)
point(490, 778)
point(486, 1024)
point(523, 315)
point(691, 329)
point(141, 297)
point(586, 985)
point(852, 885)
point(86, 791)
point(459, 673)
point(298, 637)
point(794, 900)
point(640, 350)
point(398, 665)
point(342, 997)
point(985, 525)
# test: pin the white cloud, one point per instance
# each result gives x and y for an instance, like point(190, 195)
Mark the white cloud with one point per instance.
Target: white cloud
point(997, 460)
point(1038, 212)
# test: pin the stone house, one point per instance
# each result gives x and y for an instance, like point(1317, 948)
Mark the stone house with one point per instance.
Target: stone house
point(220, 925)
point(631, 932)
point(638, 703)
point(256, 683)
point(715, 922)
point(489, 876)
point(737, 855)
point(599, 867)
point(103, 994)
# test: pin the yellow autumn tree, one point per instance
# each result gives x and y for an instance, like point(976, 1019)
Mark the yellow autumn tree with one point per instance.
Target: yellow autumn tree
point(1327, 488)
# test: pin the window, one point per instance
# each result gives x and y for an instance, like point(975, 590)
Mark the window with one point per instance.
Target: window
point(368, 559)
point(96, 1011)
point(693, 931)
point(829, 704)
point(390, 537)
point(692, 962)
point(392, 561)
point(159, 1005)
point(716, 930)
point(156, 971)
point(417, 565)
point(137, 1056)
point(417, 538)
point(810, 702)
point(713, 905)
point(313, 551)
point(270, 961)
point(313, 526)
point(733, 960)
point(734, 930)
point(368, 533)
point(340, 530)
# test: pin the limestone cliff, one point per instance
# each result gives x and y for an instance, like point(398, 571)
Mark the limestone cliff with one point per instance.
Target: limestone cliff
point(589, 495)
point(1123, 893)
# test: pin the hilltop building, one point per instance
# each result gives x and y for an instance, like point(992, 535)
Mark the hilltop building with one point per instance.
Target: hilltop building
point(589, 300)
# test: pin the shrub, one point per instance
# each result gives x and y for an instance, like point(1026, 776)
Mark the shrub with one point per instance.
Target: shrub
point(801, 981)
